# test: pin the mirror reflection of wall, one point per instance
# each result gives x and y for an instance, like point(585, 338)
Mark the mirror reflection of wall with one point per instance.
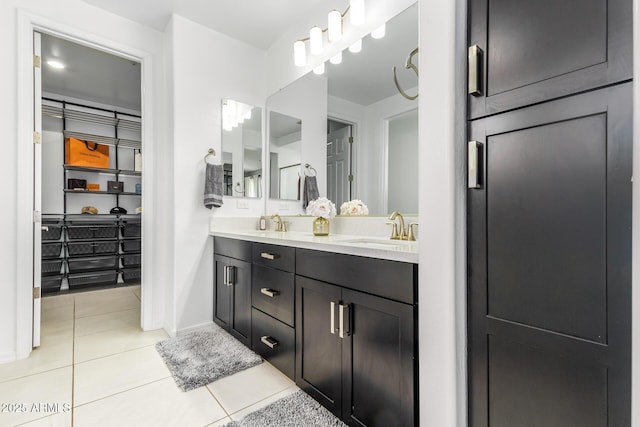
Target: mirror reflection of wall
point(242, 149)
point(402, 163)
point(285, 142)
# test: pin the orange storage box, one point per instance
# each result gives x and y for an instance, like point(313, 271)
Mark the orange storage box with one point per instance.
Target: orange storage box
point(93, 187)
point(85, 153)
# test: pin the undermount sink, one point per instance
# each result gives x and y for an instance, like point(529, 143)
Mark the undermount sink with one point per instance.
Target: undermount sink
point(367, 242)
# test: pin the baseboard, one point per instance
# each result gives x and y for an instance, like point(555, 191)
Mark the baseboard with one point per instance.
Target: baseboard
point(194, 328)
point(7, 356)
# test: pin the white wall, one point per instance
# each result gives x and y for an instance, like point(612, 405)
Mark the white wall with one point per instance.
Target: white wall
point(402, 170)
point(206, 67)
point(101, 28)
point(305, 99)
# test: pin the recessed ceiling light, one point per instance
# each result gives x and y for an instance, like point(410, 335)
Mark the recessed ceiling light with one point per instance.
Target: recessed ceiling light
point(55, 64)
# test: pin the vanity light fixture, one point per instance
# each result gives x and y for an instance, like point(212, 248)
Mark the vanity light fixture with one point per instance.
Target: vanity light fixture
point(337, 58)
point(319, 69)
point(55, 64)
point(356, 47)
point(379, 32)
point(334, 29)
point(334, 32)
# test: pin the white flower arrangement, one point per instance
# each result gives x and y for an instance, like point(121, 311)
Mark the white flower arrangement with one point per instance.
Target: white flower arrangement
point(322, 207)
point(354, 207)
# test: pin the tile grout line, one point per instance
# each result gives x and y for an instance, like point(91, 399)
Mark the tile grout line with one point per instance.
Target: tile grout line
point(261, 400)
point(218, 402)
point(123, 391)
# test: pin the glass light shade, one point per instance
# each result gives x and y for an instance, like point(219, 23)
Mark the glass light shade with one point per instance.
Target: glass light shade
point(337, 58)
point(356, 12)
point(356, 47)
point(299, 53)
point(315, 40)
point(334, 28)
point(319, 69)
point(379, 32)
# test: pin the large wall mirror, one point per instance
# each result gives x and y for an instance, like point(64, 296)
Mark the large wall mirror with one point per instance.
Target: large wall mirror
point(242, 149)
point(366, 144)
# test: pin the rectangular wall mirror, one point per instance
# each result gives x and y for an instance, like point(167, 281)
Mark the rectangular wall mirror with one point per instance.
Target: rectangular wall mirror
point(242, 149)
point(360, 133)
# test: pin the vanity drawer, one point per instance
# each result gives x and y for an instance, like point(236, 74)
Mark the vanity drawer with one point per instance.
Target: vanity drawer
point(238, 249)
point(273, 293)
point(268, 332)
point(274, 256)
point(389, 279)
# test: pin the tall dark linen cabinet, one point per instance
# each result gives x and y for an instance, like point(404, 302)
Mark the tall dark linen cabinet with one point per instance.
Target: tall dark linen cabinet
point(549, 212)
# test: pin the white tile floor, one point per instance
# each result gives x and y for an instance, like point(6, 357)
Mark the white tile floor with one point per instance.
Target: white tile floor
point(96, 367)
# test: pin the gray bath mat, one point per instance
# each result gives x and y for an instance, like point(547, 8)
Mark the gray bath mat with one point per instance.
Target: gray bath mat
point(201, 357)
point(297, 409)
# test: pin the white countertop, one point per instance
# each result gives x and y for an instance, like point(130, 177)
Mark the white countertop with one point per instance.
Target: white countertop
point(372, 247)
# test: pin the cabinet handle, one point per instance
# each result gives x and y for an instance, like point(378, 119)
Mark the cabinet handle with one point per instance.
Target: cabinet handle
point(344, 318)
point(475, 70)
point(267, 255)
point(473, 164)
point(269, 342)
point(269, 292)
point(229, 275)
point(333, 317)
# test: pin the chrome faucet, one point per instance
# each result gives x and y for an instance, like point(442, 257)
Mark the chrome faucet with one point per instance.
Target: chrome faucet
point(399, 232)
point(280, 224)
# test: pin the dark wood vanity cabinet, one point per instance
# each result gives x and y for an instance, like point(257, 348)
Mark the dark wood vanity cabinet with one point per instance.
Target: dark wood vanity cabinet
point(535, 51)
point(343, 326)
point(356, 352)
point(273, 301)
point(232, 288)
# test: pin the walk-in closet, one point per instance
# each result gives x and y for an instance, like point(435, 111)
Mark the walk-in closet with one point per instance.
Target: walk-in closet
point(91, 168)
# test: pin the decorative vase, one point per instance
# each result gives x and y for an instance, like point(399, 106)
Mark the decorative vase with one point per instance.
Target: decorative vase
point(321, 226)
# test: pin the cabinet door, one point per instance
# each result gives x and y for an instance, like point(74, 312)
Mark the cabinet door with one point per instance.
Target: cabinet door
point(232, 305)
point(534, 51)
point(378, 364)
point(318, 346)
point(549, 278)
point(221, 293)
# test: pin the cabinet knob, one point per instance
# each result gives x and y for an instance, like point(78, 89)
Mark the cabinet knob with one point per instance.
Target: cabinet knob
point(269, 341)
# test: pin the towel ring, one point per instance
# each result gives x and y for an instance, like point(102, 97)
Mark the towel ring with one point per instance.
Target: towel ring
point(211, 152)
point(307, 168)
point(409, 66)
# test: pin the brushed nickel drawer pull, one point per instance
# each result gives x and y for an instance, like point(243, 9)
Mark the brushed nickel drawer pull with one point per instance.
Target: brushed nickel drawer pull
point(333, 317)
point(269, 292)
point(269, 342)
point(267, 255)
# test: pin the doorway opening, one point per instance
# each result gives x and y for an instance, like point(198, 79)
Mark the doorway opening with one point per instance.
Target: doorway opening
point(340, 167)
point(88, 174)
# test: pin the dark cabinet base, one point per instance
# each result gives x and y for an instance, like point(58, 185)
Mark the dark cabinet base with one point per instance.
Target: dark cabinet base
point(274, 341)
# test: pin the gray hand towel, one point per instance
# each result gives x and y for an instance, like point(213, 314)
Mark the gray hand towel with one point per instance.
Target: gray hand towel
point(310, 191)
point(213, 185)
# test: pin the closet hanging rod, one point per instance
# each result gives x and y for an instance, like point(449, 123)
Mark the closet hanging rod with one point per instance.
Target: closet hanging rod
point(89, 106)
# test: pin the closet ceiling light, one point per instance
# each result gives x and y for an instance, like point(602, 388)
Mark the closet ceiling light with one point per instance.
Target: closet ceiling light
point(55, 64)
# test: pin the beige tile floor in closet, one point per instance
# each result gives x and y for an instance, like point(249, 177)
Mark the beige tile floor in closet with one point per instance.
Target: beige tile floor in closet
point(96, 360)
